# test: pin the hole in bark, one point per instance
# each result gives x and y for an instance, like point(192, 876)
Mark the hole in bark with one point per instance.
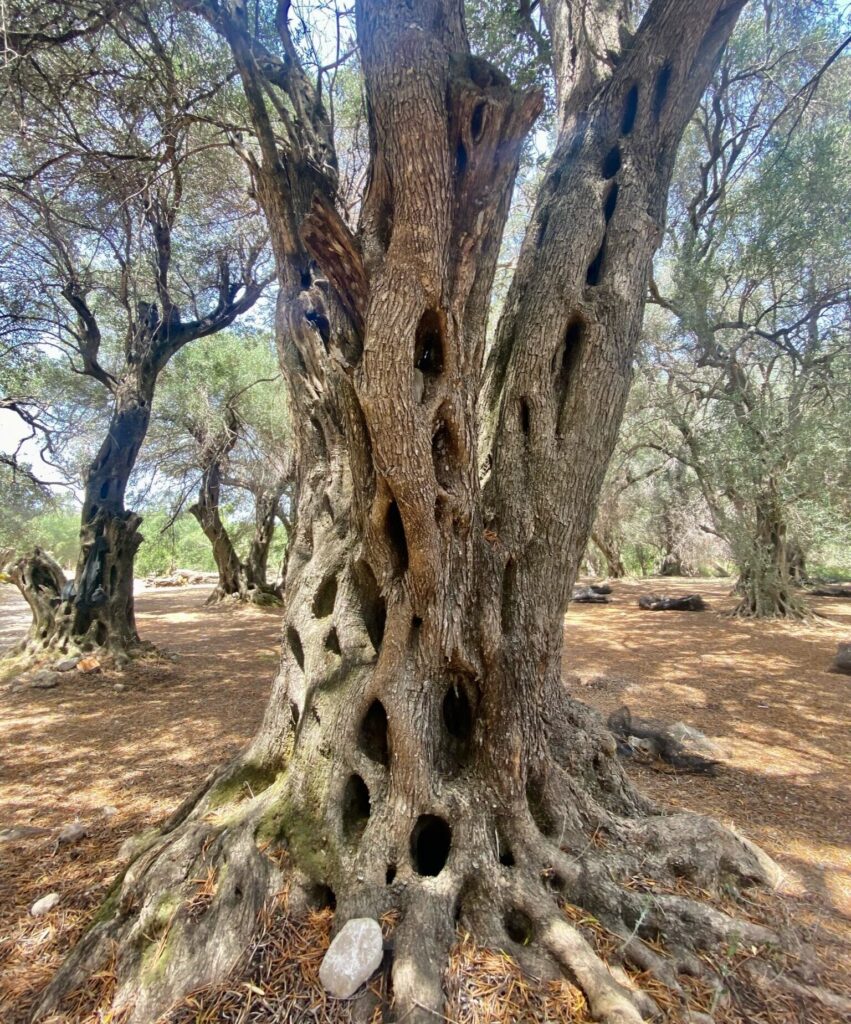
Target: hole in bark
point(332, 643)
point(320, 897)
point(457, 713)
point(355, 807)
point(113, 577)
point(327, 508)
point(506, 857)
point(660, 92)
point(565, 361)
point(373, 608)
point(374, 735)
point(416, 622)
point(326, 595)
point(101, 634)
point(460, 159)
point(595, 267)
point(477, 121)
point(630, 110)
point(294, 640)
point(553, 881)
point(294, 714)
point(320, 323)
point(525, 417)
point(104, 490)
point(390, 874)
point(611, 163)
point(540, 815)
point(395, 530)
point(518, 927)
point(610, 202)
point(443, 456)
point(428, 344)
point(430, 842)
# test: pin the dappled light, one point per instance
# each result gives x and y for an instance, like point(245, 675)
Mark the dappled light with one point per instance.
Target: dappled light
point(762, 692)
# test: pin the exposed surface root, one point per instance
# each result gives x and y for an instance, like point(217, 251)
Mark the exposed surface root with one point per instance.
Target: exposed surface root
point(198, 895)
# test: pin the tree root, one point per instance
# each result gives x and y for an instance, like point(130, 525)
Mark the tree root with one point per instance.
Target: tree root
point(573, 892)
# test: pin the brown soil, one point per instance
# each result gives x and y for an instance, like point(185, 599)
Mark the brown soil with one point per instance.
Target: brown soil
point(761, 691)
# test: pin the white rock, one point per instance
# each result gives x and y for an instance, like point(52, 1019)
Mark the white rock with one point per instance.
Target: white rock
point(66, 665)
point(352, 957)
point(119, 687)
point(108, 811)
point(45, 904)
point(71, 833)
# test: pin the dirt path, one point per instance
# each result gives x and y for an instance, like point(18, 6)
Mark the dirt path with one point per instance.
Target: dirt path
point(84, 748)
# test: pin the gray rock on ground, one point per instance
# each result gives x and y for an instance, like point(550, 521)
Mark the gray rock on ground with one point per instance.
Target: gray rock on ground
point(352, 958)
point(842, 661)
point(45, 904)
point(66, 665)
point(73, 832)
point(12, 833)
point(44, 680)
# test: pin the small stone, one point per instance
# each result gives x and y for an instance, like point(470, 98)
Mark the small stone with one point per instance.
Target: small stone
point(119, 687)
point(108, 811)
point(842, 661)
point(692, 1017)
point(352, 958)
point(45, 904)
point(73, 832)
point(44, 680)
point(88, 665)
point(67, 664)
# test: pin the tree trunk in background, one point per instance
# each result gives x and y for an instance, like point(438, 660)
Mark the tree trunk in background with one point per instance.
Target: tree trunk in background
point(41, 581)
point(419, 752)
point(767, 584)
point(98, 610)
point(609, 548)
point(265, 513)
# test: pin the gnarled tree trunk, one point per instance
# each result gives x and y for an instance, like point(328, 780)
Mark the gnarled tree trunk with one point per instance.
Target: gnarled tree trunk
point(242, 581)
point(97, 610)
point(265, 513)
point(768, 584)
point(419, 752)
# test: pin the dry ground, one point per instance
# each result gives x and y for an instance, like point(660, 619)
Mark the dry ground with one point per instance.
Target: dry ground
point(761, 691)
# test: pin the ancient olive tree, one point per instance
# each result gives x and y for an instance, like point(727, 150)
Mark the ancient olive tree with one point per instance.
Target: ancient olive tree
point(750, 348)
point(112, 267)
point(222, 431)
point(419, 751)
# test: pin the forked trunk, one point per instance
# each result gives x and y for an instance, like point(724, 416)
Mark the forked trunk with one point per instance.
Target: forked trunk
point(419, 752)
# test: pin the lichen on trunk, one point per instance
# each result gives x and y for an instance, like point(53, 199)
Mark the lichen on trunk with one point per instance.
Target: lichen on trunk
point(419, 752)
